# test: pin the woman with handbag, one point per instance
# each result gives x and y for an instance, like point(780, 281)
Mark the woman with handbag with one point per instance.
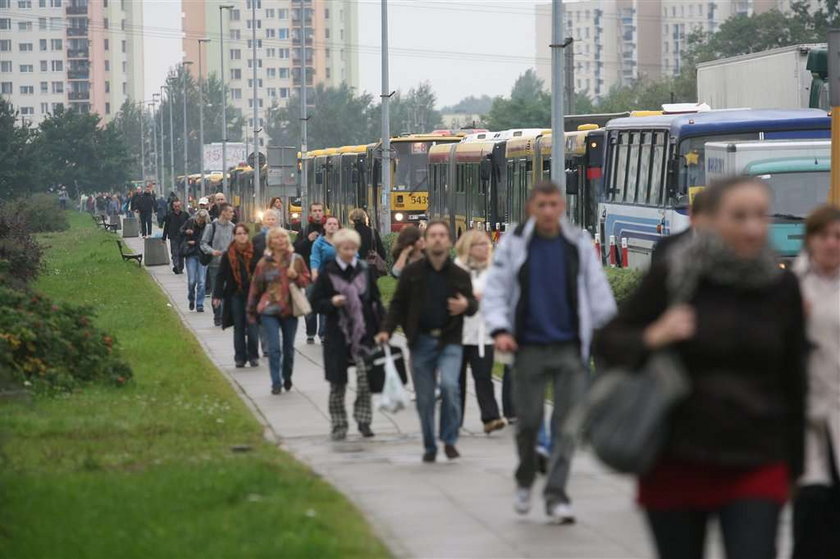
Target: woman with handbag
point(280, 276)
point(734, 444)
point(816, 508)
point(230, 289)
point(346, 293)
point(474, 254)
point(372, 249)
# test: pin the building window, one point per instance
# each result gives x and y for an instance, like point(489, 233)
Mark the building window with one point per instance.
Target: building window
point(5, 3)
point(236, 94)
point(235, 54)
point(24, 3)
point(107, 65)
point(235, 34)
point(272, 92)
point(236, 74)
point(45, 66)
point(124, 66)
point(270, 33)
point(284, 73)
point(328, 73)
point(271, 73)
point(234, 15)
point(107, 45)
point(5, 45)
point(24, 26)
point(327, 32)
point(283, 53)
point(6, 66)
point(42, 43)
point(6, 23)
point(45, 87)
point(107, 108)
point(124, 46)
point(56, 24)
point(6, 88)
point(270, 52)
point(284, 92)
point(58, 87)
point(269, 12)
point(125, 88)
point(57, 65)
point(57, 107)
point(26, 68)
point(56, 44)
point(27, 90)
point(105, 23)
point(107, 87)
point(122, 25)
point(25, 47)
point(282, 14)
point(45, 107)
point(251, 44)
point(27, 110)
point(283, 33)
point(55, 3)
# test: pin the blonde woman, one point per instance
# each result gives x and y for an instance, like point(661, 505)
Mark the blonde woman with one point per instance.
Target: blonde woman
point(269, 301)
point(474, 254)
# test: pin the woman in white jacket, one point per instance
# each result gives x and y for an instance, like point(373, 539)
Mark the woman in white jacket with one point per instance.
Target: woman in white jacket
point(473, 254)
point(816, 512)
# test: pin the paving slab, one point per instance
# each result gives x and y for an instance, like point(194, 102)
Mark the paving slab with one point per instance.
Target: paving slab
point(447, 509)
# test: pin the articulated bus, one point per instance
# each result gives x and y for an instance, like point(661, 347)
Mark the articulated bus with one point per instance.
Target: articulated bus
point(654, 165)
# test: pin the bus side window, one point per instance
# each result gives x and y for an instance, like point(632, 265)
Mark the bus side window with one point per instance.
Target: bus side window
point(657, 169)
point(632, 168)
point(619, 184)
point(644, 168)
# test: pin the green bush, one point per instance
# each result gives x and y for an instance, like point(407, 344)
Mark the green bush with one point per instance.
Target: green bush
point(623, 282)
point(55, 347)
point(20, 253)
point(41, 212)
point(388, 240)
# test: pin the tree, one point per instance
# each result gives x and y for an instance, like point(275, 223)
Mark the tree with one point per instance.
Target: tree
point(127, 124)
point(529, 105)
point(470, 105)
point(15, 163)
point(411, 113)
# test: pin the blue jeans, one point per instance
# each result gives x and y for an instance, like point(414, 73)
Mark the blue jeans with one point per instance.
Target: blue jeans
point(196, 274)
point(273, 326)
point(427, 358)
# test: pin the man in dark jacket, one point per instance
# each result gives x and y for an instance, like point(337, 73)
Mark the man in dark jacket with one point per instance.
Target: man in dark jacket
point(303, 246)
point(430, 302)
point(144, 206)
point(699, 216)
point(172, 225)
point(161, 211)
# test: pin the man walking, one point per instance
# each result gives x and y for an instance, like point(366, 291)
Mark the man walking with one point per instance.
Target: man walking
point(172, 224)
point(430, 302)
point(546, 292)
point(144, 205)
point(161, 211)
point(215, 241)
point(303, 246)
point(62, 197)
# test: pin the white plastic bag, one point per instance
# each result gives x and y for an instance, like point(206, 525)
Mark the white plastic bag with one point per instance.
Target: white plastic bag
point(394, 396)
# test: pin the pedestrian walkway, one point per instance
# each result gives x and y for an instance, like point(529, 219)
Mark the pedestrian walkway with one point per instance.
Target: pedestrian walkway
point(447, 509)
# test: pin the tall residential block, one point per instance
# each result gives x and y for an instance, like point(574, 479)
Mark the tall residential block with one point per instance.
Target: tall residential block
point(84, 56)
point(617, 42)
point(328, 44)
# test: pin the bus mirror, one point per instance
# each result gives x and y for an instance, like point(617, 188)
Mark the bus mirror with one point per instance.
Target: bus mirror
point(319, 177)
point(572, 186)
point(485, 169)
point(682, 202)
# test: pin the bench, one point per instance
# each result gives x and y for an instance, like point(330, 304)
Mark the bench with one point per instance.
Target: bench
point(127, 257)
point(112, 227)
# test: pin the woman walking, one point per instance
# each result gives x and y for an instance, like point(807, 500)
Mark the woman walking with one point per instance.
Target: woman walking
point(816, 508)
point(323, 250)
point(735, 321)
point(473, 254)
point(408, 248)
point(347, 294)
point(191, 233)
point(230, 289)
point(371, 241)
point(270, 303)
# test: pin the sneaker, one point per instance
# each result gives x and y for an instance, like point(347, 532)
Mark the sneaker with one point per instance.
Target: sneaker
point(338, 435)
point(240, 364)
point(217, 322)
point(255, 362)
point(199, 309)
point(174, 269)
point(560, 513)
point(287, 384)
point(310, 340)
point(493, 425)
point(192, 305)
point(429, 457)
point(522, 500)
point(451, 452)
point(276, 390)
point(322, 340)
point(364, 429)
point(542, 461)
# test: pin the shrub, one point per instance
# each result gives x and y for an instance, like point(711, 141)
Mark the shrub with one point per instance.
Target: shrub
point(54, 346)
point(20, 253)
point(388, 240)
point(623, 282)
point(41, 212)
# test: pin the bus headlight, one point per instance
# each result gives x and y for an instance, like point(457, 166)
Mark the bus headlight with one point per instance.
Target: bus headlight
point(295, 215)
point(398, 216)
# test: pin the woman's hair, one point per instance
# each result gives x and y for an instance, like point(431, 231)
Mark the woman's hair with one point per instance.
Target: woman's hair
point(204, 215)
point(272, 211)
point(715, 193)
point(275, 232)
point(819, 219)
point(358, 214)
point(467, 240)
point(239, 226)
point(407, 237)
point(346, 235)
point(274, 199)
point(329, 217)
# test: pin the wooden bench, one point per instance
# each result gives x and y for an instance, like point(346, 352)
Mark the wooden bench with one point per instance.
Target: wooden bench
point(127, 257)
point(112, 227)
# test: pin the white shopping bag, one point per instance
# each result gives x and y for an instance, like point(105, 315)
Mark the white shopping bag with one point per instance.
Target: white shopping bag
point(394, 396)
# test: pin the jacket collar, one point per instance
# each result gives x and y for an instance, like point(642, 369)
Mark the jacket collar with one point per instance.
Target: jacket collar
point(567, 230)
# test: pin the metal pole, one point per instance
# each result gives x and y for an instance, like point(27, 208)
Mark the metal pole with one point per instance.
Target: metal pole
point(304, 121)
point(184, 67)
point(142, 144)
point(834, 101)
point(172, 144)
point(224, 101)
point(256, 174)
point(162, 145)
point(385, 206)
point(154, 137)
point(201, 113)
point(558, 158)
point(569, 52)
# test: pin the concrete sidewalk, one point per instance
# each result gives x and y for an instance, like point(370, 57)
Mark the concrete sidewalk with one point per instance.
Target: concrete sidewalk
point(448, 509)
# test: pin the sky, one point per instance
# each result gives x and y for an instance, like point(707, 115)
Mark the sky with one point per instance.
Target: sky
point(461, 47)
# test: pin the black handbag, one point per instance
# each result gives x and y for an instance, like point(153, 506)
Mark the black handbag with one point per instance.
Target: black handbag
point(375, 362)
point(376, 263)
point(203, 257)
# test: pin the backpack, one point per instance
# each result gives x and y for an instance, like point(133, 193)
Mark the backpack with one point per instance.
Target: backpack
point(203, 257)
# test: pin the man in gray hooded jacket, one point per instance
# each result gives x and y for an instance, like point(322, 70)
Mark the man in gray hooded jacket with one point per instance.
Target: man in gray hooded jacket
point(215, 241)
point(546, 292)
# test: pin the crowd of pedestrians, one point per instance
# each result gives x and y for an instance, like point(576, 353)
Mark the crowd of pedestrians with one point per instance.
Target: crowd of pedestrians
point(759, 343)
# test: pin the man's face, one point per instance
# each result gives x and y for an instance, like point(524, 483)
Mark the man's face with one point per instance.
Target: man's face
point(547, 209)
point(220, 199)
point(228, 213)
point(176, 207)
point(437, 240)
point(317, 213)
point(149, 188)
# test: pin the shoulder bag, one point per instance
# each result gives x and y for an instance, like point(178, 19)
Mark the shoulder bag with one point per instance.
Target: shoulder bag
point(300, 304)
point(375, 262)
point(203, 257)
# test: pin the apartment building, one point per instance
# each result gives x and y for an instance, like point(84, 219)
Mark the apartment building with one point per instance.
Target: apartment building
point(619, 41)
point(85, 56)
point(327, 40)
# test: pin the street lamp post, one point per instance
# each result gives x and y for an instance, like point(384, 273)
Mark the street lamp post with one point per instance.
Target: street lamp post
point(201, 112)
point(256, 174)
point(171, 141)
point(154, 134)
point(184, 67)
point(224, 99)
point(142, 145)
point(162, 145)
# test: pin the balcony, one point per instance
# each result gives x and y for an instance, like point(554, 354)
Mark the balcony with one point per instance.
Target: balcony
point(77, 32)
point(78, 54)
point(79, 95)
point(77, 10)
point(78, 75)
point(296, 41)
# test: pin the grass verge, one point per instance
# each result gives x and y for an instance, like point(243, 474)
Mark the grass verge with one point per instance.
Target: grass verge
point(148, 470)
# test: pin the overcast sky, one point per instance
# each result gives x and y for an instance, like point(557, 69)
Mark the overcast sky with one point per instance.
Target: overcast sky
point(461, 47)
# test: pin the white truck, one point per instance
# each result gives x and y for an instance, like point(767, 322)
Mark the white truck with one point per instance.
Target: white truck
point(794, 77)
point(797, 171)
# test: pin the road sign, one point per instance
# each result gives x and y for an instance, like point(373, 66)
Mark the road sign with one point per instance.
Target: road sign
point(251, 159)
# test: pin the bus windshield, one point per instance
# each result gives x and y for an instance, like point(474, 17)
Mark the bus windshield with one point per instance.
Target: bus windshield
point(411, 162)
point(692, 157)
point(795, 195)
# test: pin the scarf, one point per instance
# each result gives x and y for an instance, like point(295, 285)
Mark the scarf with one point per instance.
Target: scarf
point(351, 320)
point(238, 256)
point(706, 256)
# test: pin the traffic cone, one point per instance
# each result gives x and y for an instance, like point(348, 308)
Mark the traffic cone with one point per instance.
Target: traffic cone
point(612, 251)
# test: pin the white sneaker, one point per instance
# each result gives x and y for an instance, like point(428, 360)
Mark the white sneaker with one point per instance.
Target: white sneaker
point(522, 500)
point(561, 513)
